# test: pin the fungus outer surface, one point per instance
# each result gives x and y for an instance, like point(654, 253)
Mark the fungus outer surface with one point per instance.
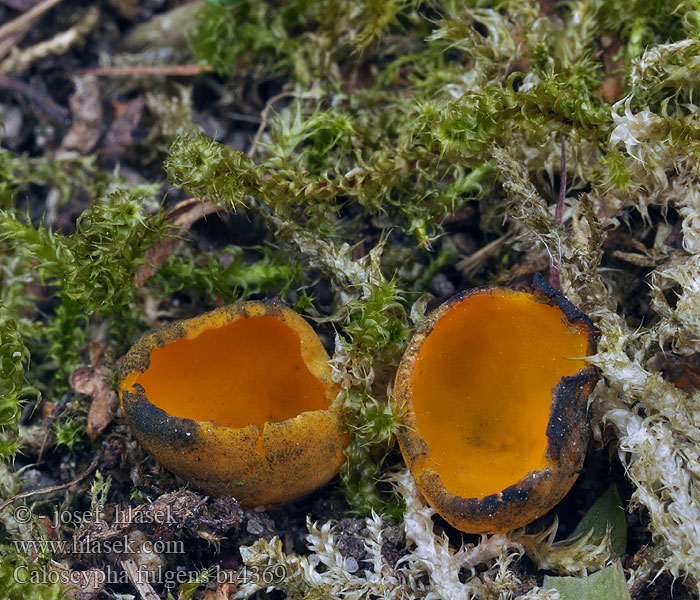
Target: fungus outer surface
point(482, 388)
point(250, 371)
point(238, 402)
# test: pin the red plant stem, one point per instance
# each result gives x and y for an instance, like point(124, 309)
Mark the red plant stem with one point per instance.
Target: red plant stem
point(558, 216)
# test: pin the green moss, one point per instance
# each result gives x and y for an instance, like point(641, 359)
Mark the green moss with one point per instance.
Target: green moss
point(69, 433)
point(240, 32)
point(65, 337)
point(12, 563)
point(14, 386)
point(203, 167)
point(372, 426)
point(377, 331)
point(298, 37)
point(377, 323)
point(95, 265)
point(229, 276)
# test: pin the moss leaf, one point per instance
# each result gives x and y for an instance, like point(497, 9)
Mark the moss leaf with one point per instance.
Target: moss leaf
point(608, 584)
point(605, 515)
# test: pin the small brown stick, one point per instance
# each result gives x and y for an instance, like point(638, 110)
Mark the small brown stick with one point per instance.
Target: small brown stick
point(9, 42)
point(470, 265)
point(16, 29)
point(52, 488)
point(54, 112)
point(135, 70)
point(136, 577)
point(183, 215)
point(264, 115)
point(20, 5)
point(558, 216)
point(57, 45)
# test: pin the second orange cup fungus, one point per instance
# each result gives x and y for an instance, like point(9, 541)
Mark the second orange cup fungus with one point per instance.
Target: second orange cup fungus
point(237, 401)
point(494, 389)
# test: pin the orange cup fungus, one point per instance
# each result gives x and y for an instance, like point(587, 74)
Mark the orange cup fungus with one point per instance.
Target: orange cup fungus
point(237, 402)
point(493, 390)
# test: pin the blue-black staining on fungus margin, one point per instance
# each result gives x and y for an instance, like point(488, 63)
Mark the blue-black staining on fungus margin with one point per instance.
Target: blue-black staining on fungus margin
point(569, 412)
point(138, 358)
point(571, 312)
point(149, 420)
point(516, 494)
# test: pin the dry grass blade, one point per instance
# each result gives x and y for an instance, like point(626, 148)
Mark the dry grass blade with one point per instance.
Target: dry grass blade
point(144, 588)
point(12, 32)
point(264, 116)
point(57, 45)
point(471, 265)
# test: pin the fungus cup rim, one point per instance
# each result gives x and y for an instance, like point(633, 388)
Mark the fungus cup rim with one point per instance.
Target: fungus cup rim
point(567, 433)
point(185, 445)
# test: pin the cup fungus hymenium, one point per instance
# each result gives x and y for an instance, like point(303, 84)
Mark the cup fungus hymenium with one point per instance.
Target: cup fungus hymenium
point(237, 402)
point(494, 389)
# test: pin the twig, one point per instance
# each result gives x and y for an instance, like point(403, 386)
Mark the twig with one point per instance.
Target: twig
point(58, 44)
point(10, 42)
point(136, 577)
point(558, 216)
point(183, 215)
point(52, 488)
point(26, 19)
point(20, 5)
point(18, 27)
point(264, 115)
point(53, 111)
point(135, 70)
point(472, 263)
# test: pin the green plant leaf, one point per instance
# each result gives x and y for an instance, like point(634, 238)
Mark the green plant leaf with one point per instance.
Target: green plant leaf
point(606, 512)
point(608, 584)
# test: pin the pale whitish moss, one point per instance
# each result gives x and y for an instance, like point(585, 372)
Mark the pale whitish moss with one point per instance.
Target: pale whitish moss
point(429, 569)
point(10, 559)
point(655, 422)
point(581, 557)
point(375, 331)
